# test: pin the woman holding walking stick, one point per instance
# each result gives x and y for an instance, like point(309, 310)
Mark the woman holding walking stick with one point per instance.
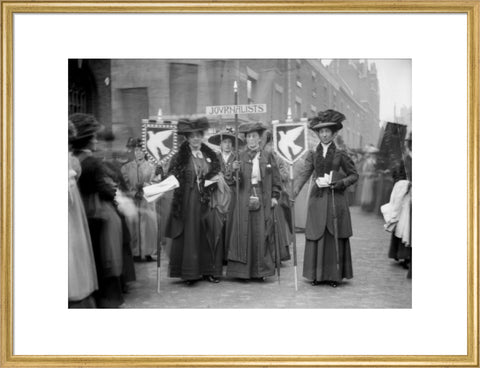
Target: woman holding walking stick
point(327, 258)
point(249, 254)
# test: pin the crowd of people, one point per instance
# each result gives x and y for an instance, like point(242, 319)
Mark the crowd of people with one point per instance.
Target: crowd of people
point(230, 215)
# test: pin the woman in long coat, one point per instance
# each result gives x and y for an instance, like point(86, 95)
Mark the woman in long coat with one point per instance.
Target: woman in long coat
point(138, 173)
point(323, 263)
point(250, 255)
point(192, 256)
point(227, 156)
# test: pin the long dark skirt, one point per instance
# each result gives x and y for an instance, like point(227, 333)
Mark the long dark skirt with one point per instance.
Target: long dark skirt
point(398, 250)
point(191, 256)
point(320, 260)
point(260, 260)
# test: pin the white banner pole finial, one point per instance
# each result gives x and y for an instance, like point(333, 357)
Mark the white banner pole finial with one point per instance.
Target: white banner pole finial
point(235, 86)
point(289, 114)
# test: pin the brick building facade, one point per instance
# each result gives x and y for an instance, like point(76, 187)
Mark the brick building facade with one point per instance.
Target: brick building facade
point(122, 92)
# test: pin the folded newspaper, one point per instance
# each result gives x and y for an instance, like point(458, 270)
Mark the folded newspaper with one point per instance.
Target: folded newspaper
point(153, 192)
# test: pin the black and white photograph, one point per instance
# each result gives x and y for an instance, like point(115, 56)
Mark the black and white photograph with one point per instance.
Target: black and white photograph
point(240, 183)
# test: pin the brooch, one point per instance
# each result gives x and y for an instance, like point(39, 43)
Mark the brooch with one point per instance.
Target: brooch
point(208, 160)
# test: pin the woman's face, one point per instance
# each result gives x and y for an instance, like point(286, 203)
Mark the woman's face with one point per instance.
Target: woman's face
point(195, 139)
point(139, 155)
point(92, 145)
point(253, 139)
point(326, 135)
point(226, 145)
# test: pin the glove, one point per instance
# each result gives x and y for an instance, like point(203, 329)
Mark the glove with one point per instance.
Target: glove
point(139, 194)
point(338, 185)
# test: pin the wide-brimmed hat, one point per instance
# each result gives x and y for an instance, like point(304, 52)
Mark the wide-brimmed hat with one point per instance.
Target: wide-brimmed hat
point(186, 126)
point(217, 138)
point(134, 142)
point(256, 126)
point(85, 125)
point(327, 119)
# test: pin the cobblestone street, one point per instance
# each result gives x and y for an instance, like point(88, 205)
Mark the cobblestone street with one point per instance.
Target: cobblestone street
point(378, 281)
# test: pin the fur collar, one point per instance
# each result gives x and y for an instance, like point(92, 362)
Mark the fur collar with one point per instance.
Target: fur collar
point(178, 168)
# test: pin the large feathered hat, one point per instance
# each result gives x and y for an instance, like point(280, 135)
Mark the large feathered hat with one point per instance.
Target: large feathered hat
point(327, 119)
point(256, 126)
point(85, 125)
point(186, 126)
point(229, 132)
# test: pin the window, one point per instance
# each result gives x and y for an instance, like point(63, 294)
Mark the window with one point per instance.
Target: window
point(298, 110)
point(77, 100)
point(134, 108)
point(299, 80)
point(278, 105)
point(183, 88)
point(251, 86)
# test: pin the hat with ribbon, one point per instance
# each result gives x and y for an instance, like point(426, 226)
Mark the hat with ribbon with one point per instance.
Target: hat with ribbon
point(228, 133)
point(186, 126)
point(327, 119)
point(250, 127)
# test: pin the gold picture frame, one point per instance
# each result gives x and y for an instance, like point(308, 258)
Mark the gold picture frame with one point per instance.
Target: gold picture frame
point(9, 8)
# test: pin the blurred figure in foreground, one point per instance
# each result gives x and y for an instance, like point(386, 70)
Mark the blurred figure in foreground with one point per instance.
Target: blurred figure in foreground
point(98, 194)
point(82, 275)
point(397, 213)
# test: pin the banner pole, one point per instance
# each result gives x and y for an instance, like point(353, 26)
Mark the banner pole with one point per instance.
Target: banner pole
point(292, 206)
point(237, 181)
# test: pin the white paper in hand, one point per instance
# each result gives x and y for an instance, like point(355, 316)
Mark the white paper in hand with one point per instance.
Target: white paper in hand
point(323, 181)
point(155, 191)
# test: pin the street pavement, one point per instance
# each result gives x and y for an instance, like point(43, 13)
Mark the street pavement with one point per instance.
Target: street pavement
point(378, 282)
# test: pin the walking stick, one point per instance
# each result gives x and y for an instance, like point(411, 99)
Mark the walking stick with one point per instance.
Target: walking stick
point(139, 203)
point(159, 251)
point(292, 207)
point(237, 183)
point(335, 230)
point(276, 244)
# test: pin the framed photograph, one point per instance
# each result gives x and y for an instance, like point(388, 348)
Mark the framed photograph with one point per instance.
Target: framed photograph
point(240, 184)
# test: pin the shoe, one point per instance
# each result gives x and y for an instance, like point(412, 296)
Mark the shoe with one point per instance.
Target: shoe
point(315, 283)
point(137, 259)
point(211, 278)
point(190, 282)
point(333, 284)
point(149, 259)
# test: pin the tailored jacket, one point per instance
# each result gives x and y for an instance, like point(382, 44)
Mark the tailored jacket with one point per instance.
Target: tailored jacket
point(320, 210)
point(271, 187)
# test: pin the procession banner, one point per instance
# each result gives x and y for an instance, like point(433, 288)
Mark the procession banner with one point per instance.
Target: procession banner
point(290, 140)
point(159, 140)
